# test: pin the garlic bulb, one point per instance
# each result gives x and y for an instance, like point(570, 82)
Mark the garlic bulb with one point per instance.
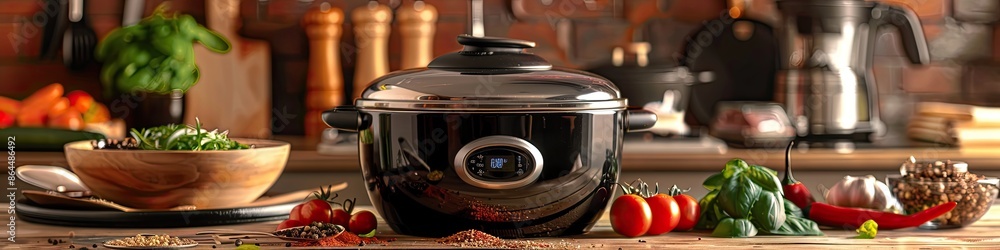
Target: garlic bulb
point(860, 192)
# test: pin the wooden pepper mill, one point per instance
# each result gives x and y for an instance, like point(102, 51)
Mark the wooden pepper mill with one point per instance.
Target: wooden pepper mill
point(417, 25)
point(371, 34)
point(325, 84)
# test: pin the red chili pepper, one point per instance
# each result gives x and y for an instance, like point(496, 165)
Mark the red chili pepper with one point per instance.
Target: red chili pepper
point(794, 191)
point(852, 218)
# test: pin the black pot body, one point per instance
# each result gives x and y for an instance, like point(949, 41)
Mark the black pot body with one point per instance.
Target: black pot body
point(145, 110)
point(414, 181)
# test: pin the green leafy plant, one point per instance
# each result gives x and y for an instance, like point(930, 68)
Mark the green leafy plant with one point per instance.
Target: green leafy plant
point(745, 200)
point(184, 137)
point(155, 55)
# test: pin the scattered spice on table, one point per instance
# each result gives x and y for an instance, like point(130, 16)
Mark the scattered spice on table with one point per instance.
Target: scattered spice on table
point(344, 239)
point(476, 238)
point(150, 241)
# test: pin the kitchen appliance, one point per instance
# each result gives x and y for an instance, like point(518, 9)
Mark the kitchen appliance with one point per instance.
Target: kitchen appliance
point(490, 138)
point(658, 87)
point(826, 81)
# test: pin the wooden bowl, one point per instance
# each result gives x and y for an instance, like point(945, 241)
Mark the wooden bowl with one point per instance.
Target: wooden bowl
point(166, 179)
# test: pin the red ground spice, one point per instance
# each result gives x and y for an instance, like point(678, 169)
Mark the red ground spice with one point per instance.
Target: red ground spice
point(345, 239)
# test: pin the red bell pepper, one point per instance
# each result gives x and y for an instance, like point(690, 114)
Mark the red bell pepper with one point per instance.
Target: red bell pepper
point(793, 190)
point(852, 218)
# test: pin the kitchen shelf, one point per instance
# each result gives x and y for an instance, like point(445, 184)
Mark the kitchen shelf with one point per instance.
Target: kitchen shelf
point(305, 158)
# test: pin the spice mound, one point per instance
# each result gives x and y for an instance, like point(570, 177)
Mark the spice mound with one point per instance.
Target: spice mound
point(479, 239)
point(151, 241)
point(315, 230)
point(926, 184)
point(345, 239)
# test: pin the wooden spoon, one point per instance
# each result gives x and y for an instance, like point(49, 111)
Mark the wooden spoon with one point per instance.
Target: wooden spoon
point(51, 198)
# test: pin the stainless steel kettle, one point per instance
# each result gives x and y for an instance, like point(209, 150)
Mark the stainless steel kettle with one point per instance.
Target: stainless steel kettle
point(826, 81)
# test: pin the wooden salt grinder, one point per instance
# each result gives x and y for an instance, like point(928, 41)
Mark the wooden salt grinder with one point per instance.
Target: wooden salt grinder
point(325, 84)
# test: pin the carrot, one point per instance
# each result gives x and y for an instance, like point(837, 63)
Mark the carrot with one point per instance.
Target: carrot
point(9, 106)
point(35, 108)
point(60, 107)
point(71, 119)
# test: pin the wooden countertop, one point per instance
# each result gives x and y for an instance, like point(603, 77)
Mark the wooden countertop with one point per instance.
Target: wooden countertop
point(639, 157)
point(982, 234)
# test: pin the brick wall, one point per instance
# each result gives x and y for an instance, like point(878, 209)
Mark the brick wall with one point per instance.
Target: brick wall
point(572, 33)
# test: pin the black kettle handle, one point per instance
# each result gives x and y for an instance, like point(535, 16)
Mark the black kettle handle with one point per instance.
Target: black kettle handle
point(637, 120)
point(347, 118)
point(914, 41)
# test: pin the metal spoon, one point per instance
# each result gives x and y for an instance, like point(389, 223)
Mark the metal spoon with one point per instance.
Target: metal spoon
point(54, 179)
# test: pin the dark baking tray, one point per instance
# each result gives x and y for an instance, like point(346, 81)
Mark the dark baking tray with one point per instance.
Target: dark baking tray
point(32, 212)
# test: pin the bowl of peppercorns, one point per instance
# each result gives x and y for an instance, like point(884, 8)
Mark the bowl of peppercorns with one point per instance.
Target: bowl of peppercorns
point(924, 184)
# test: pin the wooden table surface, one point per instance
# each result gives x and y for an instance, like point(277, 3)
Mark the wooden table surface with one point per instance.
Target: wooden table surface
point(983, 234)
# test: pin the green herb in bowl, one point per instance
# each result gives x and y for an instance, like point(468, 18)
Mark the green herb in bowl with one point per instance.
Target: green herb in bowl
point(184, 137)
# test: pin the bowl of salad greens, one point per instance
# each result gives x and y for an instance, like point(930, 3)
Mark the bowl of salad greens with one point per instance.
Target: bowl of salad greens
point(178, 165)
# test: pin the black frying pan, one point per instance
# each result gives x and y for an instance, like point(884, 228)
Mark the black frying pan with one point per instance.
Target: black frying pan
point(743, 67)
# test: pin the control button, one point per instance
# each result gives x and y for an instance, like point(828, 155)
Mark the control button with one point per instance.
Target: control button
point(479, 165)
point(480, 172)
point(520, 172)
point(480, 157)
point(473, 161)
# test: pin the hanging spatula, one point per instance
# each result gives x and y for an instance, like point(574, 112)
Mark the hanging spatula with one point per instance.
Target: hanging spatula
point(80, 39)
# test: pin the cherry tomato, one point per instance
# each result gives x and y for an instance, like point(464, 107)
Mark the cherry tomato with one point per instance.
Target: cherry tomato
point(363, 222)
point(666, 214)
point(690, 211)
point(315, 210)
point(6, 119)
point(80, 100)
point(630, 215)
point(290, 223)
point(341, 217)
point(294, 214)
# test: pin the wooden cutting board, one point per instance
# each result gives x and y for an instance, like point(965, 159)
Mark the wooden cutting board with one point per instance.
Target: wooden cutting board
point(234, 92)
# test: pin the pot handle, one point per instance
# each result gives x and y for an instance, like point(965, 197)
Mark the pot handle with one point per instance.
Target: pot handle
point(347, 118)
point(639, 120)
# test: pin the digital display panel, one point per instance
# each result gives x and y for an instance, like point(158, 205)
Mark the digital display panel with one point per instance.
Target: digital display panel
point(498, 163)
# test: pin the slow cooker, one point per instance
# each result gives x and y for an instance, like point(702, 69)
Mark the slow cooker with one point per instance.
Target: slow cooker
point(490, 138)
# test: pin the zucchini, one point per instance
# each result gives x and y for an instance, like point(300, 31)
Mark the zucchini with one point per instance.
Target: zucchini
point(45, 139)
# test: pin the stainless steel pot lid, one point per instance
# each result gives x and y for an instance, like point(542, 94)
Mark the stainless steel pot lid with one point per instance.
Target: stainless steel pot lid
point(491, 74)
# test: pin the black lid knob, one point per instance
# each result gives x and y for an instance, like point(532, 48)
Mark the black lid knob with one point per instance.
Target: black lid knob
point(491, 54)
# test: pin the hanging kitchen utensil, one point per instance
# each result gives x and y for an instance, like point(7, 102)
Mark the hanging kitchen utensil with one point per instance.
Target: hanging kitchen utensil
point(55, 26)
point(133, 12)
point(742, 55)
point(371, 35)
point(325, 84)
point(416, 26)
point(79, 40)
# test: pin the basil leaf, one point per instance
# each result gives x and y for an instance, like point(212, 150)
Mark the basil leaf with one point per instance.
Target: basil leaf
point(709, 218)
point(763, 177)
point(734, 228)
point(714, 182)
point(796, 226)
point(738, 195)
point(768, 211)
point(792, 210)
point(733, 167)
point(772, 171)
